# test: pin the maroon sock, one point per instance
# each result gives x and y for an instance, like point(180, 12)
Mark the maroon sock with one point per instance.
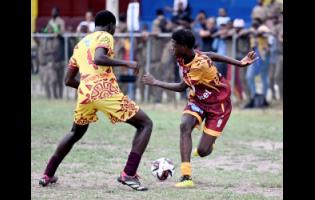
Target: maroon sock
point(52, 166)
point(132, 164)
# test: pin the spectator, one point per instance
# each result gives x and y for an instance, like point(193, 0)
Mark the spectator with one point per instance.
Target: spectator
point(56, 25)
point(279, 65)
point(219, 45)
point(223, 18)
point(34, 60)
point(47, 73)
point(182, 15)
point(259, 11)
point(176, 8)
point(56, 22)
point(259, 41)
point(198, 25)
point(160, 22)
point(273, 42)
point(242, 48)
point(274, 8)
point(88, 25)
point(207, 33)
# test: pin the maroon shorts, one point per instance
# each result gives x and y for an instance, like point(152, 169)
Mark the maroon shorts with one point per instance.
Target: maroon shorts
point(215, 118)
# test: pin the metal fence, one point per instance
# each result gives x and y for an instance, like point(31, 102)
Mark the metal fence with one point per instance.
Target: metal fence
point(70, 93)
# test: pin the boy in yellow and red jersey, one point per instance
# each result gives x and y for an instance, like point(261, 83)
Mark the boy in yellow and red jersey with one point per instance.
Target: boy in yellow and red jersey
point(98, 90)
point(209, 97)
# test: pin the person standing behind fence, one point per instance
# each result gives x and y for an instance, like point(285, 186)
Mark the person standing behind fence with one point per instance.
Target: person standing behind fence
point(279, 65)
point(47, 73)
point(219, 46)
point(157, 66)
point(88, 23)
point(259, 41)
point(58, 27)
point(222, 18)
point(199, 24)
point(242, 47)
point(207, 34)
point(259, 11)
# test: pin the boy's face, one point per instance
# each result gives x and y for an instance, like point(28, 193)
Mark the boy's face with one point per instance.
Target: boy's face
point(177, 49)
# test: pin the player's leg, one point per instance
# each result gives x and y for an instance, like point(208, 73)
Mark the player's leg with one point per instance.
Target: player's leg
point(119, 108)
point(206, 145)
point(84, 114)
point(188, 122)
point(63, 148)
point(143, 125)
point(213, 127)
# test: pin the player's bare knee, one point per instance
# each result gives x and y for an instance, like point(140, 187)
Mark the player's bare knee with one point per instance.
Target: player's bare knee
point(204, 151)
point(148, 124)
point(185, 128)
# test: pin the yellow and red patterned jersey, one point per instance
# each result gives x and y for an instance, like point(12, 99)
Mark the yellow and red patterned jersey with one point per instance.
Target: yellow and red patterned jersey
point(206, 84)
point(97, 82)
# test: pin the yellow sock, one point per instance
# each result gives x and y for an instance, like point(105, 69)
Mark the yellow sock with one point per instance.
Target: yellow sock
point(185, 168)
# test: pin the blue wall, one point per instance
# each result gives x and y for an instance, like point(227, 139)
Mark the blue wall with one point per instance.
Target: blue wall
point(235, 8)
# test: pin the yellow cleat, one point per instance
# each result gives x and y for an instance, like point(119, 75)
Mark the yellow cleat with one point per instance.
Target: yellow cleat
point(195, 153)
point(185, 182)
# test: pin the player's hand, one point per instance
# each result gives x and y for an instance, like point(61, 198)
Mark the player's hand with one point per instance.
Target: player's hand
point(148, 79)
point(135, 66)
point(249, 59)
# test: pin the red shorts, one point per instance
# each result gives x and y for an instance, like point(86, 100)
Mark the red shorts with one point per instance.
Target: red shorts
point(215, 119)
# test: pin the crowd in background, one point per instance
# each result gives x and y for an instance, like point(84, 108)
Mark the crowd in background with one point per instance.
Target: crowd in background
point(213, 32)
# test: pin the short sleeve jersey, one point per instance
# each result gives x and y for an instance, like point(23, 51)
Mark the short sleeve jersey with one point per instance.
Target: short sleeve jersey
point(96, 82)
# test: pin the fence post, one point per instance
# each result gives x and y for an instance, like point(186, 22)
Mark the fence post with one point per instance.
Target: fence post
point(147, 68)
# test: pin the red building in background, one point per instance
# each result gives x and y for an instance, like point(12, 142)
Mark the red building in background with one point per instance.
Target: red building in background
point(72, 11)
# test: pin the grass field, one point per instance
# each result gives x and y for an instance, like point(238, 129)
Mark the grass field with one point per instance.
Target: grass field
point(247, 163)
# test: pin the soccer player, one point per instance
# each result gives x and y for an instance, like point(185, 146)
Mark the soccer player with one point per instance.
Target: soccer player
point(209, 97)
point(98, 90)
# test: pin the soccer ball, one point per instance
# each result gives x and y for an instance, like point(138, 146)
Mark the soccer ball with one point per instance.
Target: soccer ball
point(162, 168)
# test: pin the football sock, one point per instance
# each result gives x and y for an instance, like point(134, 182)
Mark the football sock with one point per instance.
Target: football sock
point(52, 166)
point(185, 168)
point(132, 164)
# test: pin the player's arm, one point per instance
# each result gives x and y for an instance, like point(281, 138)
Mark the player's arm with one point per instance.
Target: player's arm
point(101, 59)
point(148, 79)
point(247, 60)
point(70, 79)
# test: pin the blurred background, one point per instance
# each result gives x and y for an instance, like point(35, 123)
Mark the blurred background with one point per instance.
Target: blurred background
point(228, 27)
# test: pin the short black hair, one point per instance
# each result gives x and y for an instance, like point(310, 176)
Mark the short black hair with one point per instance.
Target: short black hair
point(202, 11)
point(104, 18)
point(184, 37)
point(159, 12)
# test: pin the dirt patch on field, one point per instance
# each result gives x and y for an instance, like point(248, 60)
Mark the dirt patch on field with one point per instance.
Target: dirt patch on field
point(263, 145)
point(248, 162)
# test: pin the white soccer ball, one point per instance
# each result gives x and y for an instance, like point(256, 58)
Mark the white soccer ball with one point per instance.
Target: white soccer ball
point(162, 168)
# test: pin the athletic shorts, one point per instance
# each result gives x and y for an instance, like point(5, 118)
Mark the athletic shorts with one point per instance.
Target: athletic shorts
point(118, 108)
point(215, 120)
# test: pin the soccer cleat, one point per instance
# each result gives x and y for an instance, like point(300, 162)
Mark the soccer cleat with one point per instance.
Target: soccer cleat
point(195, 153)
point(131, 181)
point(45, 180)
point(185, 182)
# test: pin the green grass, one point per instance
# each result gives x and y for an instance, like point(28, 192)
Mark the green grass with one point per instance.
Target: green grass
point(245, 165)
